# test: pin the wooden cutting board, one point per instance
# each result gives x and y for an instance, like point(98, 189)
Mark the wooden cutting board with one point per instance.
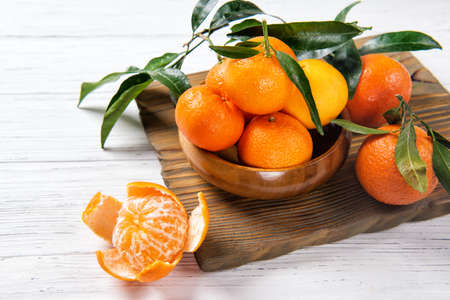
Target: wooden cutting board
point(245, 230)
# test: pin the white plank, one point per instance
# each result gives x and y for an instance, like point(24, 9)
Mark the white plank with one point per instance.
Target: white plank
point(51, 128)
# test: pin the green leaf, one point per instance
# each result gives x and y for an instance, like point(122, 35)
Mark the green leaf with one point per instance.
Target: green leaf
point(173, 79)
point(201, 11)
point(436, 136)
point(179, 63)
point(307, 39)
point(393, 115)
point(125, 85)
point(343, 13)
point(346, 58)
point(408, 161)
point(441, 139)
point(348, 61)
point(441, 164)
point(233, 10)
point(234, 52)
point(245, 24)
point(87, 87)
point(229, 41)
point(248, 44)
point(161, 61)
point(298, 77)
point(350, 126)
point(399, 41)
point(128, 90)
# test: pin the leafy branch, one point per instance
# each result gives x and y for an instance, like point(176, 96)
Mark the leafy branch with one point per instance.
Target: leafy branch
point(331, 40)
point(166, 68)
point(347, 59)
point(407, 158)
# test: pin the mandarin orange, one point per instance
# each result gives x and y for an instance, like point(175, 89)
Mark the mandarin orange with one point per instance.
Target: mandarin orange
point(381, 79)
point(275, 140)
point(208, 120)
point(258, 84)
point(378, 174)
point(215, 77)
point(276, 43)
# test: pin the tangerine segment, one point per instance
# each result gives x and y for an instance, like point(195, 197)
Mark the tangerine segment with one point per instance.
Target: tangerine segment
point(143, 189)
point(114, 264)
point(100, 215)
point(198, 225)
point(150, 228)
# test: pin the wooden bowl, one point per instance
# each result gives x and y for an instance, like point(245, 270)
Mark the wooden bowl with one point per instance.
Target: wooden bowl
point(330, 152)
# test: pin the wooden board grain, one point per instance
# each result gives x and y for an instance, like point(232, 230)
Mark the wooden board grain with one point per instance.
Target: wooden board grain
point(245, 230)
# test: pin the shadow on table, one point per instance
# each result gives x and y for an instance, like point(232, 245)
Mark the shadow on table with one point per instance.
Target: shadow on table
point(129, 120)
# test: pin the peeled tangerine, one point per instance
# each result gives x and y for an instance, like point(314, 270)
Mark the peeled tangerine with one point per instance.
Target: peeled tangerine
point(149, 232)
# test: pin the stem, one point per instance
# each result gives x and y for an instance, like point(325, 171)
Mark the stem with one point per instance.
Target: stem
point(266, 39)
point(193, 48)
point(186, 54)
point(206, 38)
point(407, 108)
point(428, 128)
point(403, 116)
point(277, 17)
point(212, 30)
point(195, 36)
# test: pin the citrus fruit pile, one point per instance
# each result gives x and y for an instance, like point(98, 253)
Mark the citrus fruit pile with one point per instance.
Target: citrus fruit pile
point(149, 231)
point(252, 103)
point(259, 106)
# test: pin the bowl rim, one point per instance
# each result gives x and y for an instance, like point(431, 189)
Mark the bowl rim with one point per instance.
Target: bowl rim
point(312, 162)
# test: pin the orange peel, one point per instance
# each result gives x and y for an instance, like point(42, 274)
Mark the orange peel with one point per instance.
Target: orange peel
point(198, 225)
point(101, 214)
point(115, 265)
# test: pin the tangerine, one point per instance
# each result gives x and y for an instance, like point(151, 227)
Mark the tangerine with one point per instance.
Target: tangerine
point(381, 79)
point(208, 120)
point(151, 230)
point(276, 43)
point(214, 78)
point(378, 174)
point(275, 140)
point(258, 84)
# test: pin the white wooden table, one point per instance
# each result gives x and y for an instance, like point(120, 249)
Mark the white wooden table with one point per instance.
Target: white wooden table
point(51, 162)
